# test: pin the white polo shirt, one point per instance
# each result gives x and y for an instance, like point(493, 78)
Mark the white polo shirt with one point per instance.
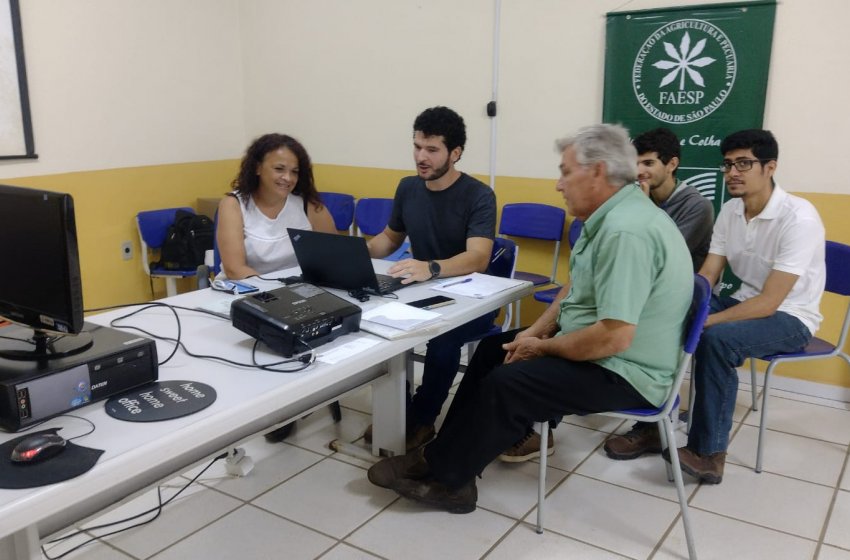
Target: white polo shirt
point(788, 235)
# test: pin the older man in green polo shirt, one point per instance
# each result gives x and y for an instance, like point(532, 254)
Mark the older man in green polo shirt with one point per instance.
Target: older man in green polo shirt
point(609, 341)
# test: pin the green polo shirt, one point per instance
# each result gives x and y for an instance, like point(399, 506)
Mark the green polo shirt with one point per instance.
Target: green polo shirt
point(631, 264)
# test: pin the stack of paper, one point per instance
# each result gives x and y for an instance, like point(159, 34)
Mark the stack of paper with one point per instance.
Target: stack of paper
point(401, 316)
point(476, 285)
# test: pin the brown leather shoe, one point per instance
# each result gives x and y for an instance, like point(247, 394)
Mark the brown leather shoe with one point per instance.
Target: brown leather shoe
point(527, 448)
point(642, 438)
point(707, 468)
point(416, 436)
point(386, 472)
point(438, 495)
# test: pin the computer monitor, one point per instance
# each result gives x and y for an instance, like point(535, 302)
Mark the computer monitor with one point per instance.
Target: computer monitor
point(40, 284)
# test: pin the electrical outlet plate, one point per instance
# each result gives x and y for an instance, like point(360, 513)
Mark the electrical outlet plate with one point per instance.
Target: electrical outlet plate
point(127, 250)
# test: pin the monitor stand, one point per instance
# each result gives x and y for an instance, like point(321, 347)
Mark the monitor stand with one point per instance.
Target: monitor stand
point(43, 346)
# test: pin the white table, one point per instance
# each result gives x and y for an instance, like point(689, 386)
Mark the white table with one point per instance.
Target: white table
point(138, 455)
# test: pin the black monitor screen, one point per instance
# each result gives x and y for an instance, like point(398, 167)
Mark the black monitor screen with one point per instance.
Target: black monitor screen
point(40, 285)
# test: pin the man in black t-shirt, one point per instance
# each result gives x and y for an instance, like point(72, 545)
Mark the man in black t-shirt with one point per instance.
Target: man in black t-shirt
point(450, 219)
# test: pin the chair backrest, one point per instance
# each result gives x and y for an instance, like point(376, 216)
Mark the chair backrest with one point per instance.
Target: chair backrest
point(153, 225)
point(371, 215)
point(838, 268)
point(216, 253)
point(838, 281)
point(503, 258)
point(697, 314)
point(529, 219)
point(574, 232)
point(694, 324)
point(341, 207)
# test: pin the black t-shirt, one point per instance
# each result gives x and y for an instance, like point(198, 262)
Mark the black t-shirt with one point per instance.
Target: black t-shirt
point(438, 223)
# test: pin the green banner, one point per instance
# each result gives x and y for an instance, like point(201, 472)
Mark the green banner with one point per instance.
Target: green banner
point(701, 71)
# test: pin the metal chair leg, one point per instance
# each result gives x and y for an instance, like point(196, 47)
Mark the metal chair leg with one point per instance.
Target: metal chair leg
point(763, 423)
point(541, 477)
point(753, 385)
point(680, 489)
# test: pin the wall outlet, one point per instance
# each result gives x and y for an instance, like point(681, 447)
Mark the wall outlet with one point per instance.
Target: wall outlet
point(127, 250)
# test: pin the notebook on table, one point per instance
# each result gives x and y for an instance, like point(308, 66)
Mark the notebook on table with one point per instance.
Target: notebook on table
point(338, 261)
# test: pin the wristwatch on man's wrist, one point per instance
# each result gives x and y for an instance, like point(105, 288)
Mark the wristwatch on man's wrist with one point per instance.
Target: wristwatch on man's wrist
point(434, 267)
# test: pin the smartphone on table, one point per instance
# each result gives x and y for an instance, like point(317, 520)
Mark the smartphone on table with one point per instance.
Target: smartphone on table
point(432, 302)
point(234, 287)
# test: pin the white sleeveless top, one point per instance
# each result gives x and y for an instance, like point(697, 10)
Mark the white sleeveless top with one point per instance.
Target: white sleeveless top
point(267, 244)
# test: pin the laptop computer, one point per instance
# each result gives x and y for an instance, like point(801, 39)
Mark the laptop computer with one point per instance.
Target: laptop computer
point(339, 261)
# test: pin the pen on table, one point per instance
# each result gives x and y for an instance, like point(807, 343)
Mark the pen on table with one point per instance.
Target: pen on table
point(464, 281)
point(497, 255)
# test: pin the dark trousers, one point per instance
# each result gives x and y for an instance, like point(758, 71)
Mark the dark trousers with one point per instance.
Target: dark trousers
point(496, 404)
point(442, 359)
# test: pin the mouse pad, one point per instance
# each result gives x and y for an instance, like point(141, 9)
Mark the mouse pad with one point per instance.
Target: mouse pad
point(72, 462)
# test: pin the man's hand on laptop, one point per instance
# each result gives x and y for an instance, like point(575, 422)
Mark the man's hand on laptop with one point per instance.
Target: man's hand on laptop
point(411, 270)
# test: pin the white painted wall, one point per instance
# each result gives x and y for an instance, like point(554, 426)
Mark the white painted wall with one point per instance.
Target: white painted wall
point(117, 83)
point(131, 82)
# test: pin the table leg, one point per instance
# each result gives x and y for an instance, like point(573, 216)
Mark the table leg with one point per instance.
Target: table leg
point(388, 409)
point(23, 545)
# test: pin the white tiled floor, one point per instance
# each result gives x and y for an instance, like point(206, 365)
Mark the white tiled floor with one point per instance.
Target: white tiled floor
point(302, 501)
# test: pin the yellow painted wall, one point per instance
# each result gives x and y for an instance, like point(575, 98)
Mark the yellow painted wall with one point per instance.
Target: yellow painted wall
point(107, 201)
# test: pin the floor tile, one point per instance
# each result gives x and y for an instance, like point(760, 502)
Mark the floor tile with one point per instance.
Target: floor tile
point(511, 488)
point(251, 533)
point(90, 549)
point(805, 419)
point(720, 538)
point(645, 474)
point(832, 553)
point(617, 519)
point(332, 497)
point(317, 430)
point(273, 463)
point(360, 400)
point(418, 533)
point(837, 532)
point(845, 479)
point(343, 551)
point(597, 422)
point(766, 499)
point(573, 444)
point(523, 543)
point(798, 457)
point(196, 507)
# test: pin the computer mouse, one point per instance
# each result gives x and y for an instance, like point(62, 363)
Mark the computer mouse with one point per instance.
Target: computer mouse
point(37, 448)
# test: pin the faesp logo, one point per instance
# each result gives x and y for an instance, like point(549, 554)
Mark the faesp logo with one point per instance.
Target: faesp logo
point(684, 71)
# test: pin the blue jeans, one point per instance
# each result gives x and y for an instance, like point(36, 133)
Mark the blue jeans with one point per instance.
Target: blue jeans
point(722, 348)
point(442, 360)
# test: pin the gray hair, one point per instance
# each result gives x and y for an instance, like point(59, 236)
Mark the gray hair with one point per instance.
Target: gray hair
point(608, 143)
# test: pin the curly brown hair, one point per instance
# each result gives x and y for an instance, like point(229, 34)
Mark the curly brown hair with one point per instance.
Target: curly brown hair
point(247, 181)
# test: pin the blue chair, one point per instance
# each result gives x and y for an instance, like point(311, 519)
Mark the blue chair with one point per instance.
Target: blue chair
point(534, 221)
point(153, 227)
point(548, 296)
point(837, 282)
point(371, 215)
point(664, 416)
point(502, 263)
point(341, 207)
point(402, 252)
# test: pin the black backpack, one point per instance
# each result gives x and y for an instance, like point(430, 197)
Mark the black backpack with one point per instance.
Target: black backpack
point(187, 241)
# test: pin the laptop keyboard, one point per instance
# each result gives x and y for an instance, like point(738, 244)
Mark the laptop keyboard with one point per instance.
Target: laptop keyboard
point(387, 283)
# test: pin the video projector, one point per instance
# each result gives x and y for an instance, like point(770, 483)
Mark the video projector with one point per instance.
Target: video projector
point(289, 319)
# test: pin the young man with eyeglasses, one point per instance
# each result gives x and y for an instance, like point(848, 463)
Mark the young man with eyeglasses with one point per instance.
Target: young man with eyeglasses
point(774, 242)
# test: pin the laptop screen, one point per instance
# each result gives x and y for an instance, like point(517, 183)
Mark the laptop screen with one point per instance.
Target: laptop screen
point(332, 260)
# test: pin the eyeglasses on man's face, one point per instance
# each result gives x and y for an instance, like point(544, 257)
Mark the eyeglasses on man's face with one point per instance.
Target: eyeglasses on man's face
point(739, 164)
